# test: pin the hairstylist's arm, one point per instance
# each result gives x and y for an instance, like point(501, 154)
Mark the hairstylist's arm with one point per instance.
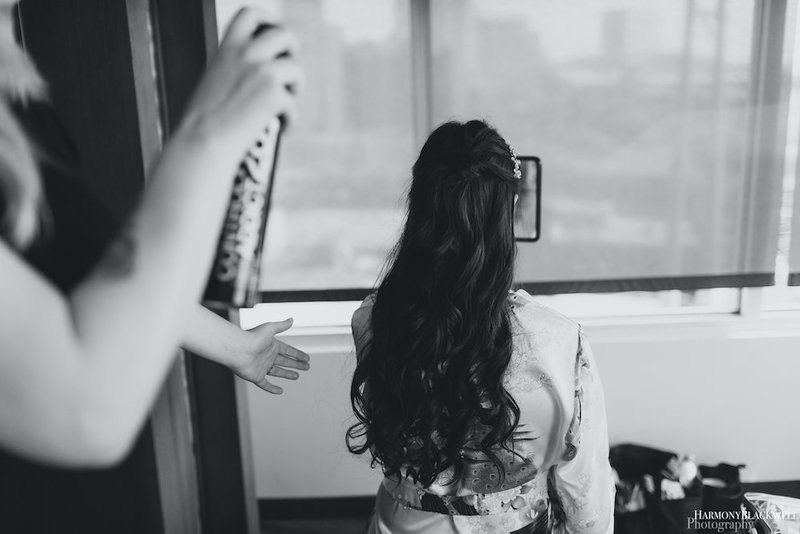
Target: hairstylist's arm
point(78, 374)
point(254, 355)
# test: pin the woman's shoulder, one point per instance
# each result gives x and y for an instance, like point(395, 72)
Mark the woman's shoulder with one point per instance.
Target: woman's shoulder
point(533, 316)
point(361, 316)
point(361, 323)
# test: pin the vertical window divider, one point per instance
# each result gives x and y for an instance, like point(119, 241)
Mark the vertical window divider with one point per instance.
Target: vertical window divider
point(767, 130)
point(791, 185)
point(170, 419)
point(750, 299)
point(421, 69)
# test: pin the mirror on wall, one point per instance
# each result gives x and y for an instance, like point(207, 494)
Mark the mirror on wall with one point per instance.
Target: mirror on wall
point(528, 211)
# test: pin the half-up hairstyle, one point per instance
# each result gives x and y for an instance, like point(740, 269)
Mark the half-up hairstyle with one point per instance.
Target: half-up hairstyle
point(441, 339)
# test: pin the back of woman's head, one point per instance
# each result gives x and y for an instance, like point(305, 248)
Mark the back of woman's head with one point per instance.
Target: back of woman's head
point(441, 338)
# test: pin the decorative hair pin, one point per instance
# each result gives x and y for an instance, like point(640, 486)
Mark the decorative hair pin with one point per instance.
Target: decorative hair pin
point(515, 159)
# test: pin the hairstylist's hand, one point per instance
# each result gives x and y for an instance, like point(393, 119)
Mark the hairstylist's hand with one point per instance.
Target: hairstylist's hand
point(246, 84)
point(265, 356)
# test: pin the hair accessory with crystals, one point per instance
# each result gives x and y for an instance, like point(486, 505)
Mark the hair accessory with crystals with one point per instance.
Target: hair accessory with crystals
point(515, 159)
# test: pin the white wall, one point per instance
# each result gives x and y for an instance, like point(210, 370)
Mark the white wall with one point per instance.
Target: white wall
point(724, 389)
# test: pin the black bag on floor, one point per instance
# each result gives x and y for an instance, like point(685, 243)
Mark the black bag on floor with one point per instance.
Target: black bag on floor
point(641, 507)
point(722, 492)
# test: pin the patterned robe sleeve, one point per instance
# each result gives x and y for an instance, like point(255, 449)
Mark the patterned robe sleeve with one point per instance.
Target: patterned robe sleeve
point(584, 484)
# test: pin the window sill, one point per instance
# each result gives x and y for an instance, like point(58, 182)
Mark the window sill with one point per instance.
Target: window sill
point(331, 340)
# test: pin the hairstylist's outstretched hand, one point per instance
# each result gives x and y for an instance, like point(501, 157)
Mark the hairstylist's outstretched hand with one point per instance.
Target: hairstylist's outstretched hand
point(266, 356)
point(253, 77)
point(255, 355)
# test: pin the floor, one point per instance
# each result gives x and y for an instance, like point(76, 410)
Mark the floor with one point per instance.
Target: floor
point(315, 526)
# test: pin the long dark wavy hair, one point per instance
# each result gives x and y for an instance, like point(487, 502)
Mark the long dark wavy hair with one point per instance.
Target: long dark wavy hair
point(441, 338)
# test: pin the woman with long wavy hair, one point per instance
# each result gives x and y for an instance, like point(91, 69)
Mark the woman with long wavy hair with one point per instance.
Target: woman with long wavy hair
point(483, 408)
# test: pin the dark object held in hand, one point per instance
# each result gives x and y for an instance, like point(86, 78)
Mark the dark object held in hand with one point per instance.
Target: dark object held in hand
point(233, 282)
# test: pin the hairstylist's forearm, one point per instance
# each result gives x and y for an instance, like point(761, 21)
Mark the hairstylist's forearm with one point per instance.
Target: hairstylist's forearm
point(212, 337)
point(255, 355)
point(151, 277)
point(78, 376)
point(172, 236)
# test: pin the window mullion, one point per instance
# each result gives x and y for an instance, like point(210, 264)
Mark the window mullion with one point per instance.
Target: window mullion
point(750, 299)
point(421, 63)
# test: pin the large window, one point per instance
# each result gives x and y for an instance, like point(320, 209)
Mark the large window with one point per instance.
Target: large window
point(661, 125)
point(639, 111)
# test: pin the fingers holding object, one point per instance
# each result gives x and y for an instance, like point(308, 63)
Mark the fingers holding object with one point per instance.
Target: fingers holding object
point(247, 22)
point(274, 42)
